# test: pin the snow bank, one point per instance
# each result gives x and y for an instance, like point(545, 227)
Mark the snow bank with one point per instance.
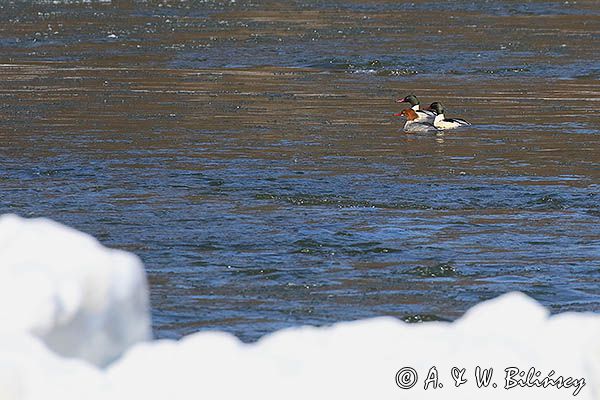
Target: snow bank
point(57, 280)
point(30, 371)
point(62, 286)
point(360, 360)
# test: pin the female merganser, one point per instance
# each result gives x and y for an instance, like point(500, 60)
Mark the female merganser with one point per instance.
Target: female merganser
point(441, 122)
point(412, 124)
point(422, 115)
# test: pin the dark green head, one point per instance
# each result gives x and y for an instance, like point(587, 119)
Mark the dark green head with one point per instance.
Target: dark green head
point(411, 98)
point(437, 107)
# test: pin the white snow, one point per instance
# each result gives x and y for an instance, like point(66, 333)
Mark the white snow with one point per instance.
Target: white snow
point(30, 371)
point(62, 286)
point(54, 275)
point(359, 360)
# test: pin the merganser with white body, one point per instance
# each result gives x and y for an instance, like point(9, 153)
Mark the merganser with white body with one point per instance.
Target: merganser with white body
point(422, 115)
point(412, 125)
point(443, 123)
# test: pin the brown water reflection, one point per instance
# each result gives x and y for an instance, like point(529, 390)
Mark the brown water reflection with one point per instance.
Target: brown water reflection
point(248, 153)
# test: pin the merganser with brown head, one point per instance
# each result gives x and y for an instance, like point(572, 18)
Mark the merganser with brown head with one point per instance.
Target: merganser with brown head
point(412, 125)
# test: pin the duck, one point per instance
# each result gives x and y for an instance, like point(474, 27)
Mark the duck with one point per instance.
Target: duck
point(422, 115)
point(412, 124)
point(441, 122)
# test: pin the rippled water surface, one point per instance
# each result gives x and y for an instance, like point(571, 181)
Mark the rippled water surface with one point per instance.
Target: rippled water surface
point(248, 153)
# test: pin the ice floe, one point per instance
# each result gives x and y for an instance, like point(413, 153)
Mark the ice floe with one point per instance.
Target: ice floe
point(62, 286)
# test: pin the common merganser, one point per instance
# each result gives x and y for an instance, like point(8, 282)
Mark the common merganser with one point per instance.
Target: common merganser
point(422, 115)
point(441, 122)
point(412, 122)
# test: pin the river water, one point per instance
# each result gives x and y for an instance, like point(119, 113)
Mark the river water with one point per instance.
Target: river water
point(248, 153)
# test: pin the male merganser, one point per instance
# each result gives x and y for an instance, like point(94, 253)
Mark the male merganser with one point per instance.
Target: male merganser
point(422, 115)
point(441, 122)
point(412, 124)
